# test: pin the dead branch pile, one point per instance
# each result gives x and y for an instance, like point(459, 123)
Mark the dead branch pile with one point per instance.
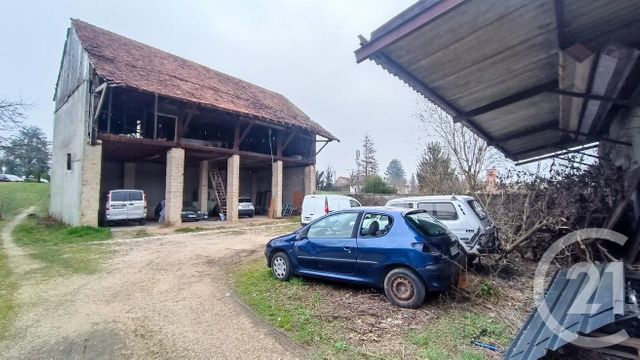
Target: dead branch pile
point(533, 210)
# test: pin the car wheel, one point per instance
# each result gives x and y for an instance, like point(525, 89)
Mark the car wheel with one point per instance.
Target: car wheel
point(281, 266)
point(251, 215)
point(404, 289)
point(143, 221)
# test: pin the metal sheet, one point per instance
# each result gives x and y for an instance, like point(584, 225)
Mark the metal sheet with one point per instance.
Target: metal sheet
point(566, 292)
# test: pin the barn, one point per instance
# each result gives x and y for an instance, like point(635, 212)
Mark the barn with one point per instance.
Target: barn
point(128, 115)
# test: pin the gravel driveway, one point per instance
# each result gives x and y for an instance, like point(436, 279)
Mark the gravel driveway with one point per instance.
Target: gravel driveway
point(158, 297)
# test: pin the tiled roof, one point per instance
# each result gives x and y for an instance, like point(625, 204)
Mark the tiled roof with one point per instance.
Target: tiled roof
point(128, 62)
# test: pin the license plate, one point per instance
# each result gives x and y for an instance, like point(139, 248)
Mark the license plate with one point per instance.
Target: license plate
point(454, 249)
point(192, 216)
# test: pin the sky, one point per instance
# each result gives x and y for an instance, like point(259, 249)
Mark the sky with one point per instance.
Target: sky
point(302, 49)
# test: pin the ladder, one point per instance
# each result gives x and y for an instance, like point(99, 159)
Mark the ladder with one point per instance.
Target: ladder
point(218, 188)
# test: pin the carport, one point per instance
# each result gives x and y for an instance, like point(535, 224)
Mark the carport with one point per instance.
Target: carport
point(532, 78)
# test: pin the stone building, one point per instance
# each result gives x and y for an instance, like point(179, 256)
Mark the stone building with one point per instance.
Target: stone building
point(128, 115)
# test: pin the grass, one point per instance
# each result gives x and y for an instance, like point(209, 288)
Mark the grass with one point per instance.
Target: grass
point(59, 246)
point(302, 309)
point(186, 230)
point(451, 336)
point(279, 303)
point(13, 198)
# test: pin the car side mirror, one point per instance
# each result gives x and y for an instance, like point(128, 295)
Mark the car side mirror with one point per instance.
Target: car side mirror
point(302, 234)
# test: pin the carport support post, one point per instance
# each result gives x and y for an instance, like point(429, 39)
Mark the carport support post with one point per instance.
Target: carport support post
point(233, 187)
point(174, 185)
point(309, 179)
point(203, 189)
point(275, 210)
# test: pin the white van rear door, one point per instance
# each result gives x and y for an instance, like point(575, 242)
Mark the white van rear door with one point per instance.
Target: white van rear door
point(135, 206)
point(118, 201)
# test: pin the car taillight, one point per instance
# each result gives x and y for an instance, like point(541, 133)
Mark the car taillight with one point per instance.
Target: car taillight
point(144, 197)
point(108, 201)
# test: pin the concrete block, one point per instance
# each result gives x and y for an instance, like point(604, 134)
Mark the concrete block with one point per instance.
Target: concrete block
point(233, 187)
point(203, 188)
point(90, 185)
point(275, 210)
point(309, 179)
point(174, 186)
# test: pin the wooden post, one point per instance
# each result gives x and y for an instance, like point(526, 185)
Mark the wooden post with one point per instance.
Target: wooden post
point(155, 118)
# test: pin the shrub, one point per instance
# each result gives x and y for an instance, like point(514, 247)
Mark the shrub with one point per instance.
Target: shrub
point(375, 185)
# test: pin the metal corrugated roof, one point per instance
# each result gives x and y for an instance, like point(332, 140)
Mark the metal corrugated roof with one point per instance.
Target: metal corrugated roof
point(564, 292)
point(515, 69)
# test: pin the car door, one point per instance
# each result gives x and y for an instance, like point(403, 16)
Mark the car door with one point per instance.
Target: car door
point(373, 243)
point(135, 206)
point(329, 244)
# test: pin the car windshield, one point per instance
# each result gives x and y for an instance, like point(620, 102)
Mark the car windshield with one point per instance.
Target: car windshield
point(426, 224)
point(244, 200)
point(478, 209)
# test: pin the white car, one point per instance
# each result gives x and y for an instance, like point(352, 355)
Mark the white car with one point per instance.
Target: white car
point(125, 205)
point(245, 207)
point(463, 215)
point(316, 206)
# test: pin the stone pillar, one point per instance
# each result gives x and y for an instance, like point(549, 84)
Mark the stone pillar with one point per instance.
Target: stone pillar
point(233, 187)
point(309, 179)
point(90, 185)
point(129, 175)
point(203, 188)
point(275, 210)
point(173, 192)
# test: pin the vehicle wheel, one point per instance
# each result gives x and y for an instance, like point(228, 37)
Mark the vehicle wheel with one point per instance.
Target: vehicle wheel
point(251, 215)
point(143, 221)
point(281, 266)
point(404, 289)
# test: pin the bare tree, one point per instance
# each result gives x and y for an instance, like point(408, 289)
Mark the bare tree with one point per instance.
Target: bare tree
point(470, 153)
point(11, 113)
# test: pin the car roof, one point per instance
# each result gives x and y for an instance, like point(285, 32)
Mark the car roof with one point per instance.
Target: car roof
point(383, 210)
point(330, 196)
point(435, 198)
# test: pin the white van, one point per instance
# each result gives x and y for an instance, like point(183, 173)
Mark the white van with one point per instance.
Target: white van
point(125, 205)
point(315, 206)
point(463, 215)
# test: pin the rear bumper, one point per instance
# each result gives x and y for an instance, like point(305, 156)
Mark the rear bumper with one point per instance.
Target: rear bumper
point(444, 275)
point(245, 212)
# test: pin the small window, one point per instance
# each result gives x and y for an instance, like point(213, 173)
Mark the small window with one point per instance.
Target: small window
point(375, 225)
point(119, 196)
point(478, 209)
point(440, 210)
point(426, 224)
point(354, 203)
point(68, 161)
point(337, 226)
point(405, 205)
point(135, 195)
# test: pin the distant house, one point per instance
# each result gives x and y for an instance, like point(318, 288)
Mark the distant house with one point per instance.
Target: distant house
point(128, 115)
point(343, 183)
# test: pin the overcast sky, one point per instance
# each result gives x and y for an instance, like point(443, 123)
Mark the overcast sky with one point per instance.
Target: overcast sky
point(301, 49)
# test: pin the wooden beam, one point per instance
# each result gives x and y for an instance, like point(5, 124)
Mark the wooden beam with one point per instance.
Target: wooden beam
point(559, 146)
point(559, 7)
point(236, 136)
point(246, 131)
point(288, 140)
point(545, 126)
point(322, 147)
point(511, 99)
point(405, 28)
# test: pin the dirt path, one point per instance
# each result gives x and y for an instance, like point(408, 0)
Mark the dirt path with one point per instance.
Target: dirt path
point(160, 297)
point(19, 261)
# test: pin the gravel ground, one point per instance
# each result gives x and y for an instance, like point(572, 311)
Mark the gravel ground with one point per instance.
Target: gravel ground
point(157, 297)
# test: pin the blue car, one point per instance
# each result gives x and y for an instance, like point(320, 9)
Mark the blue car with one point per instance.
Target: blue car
point(406, 252)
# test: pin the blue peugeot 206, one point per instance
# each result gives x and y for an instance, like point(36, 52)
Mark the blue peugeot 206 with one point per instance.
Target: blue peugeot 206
point(406, 252)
